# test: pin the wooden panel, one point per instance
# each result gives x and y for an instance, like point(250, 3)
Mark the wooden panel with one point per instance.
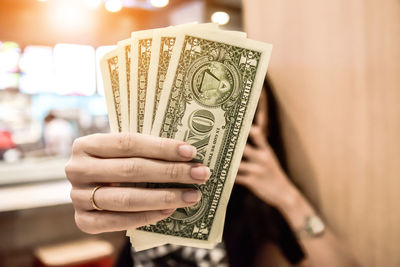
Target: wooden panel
point(336, 71)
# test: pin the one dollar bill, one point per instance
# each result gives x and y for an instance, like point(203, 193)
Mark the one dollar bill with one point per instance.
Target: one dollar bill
point(124, 64)
point(162, 49)
point(208, 99)
point(111, 79)
point(140, 65)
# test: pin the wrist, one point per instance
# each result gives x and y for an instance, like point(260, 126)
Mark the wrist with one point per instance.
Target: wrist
point(295, 207)
point(288, 195)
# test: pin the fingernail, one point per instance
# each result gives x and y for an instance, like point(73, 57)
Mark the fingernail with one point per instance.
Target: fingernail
point(191, 196)
point(187, 151)
point(202, 173)
point(167, 211)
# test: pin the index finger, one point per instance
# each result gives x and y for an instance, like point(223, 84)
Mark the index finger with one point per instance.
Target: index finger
point(122, 145)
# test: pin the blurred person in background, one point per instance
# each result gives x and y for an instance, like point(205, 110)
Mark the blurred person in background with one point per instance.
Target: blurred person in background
point(269, 221)
point(58, 135)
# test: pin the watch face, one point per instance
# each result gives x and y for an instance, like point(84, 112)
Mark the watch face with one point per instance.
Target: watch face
point(315, 226)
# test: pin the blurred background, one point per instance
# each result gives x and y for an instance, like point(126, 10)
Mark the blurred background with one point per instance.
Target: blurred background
point(335, 70)
point(51, 92)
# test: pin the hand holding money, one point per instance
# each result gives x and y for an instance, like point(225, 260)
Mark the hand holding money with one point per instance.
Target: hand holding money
point(193, 83)
point(131, 158)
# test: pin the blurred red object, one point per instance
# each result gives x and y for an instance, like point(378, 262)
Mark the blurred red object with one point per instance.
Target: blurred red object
point(6, 141)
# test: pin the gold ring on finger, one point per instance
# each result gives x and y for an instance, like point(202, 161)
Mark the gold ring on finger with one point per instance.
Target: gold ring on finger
point(92, 198)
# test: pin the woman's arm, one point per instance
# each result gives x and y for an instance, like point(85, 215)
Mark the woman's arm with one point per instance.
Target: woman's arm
point(324, 250)
point(261, 173)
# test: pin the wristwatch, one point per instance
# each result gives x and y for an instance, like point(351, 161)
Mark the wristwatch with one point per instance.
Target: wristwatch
point(314, 227)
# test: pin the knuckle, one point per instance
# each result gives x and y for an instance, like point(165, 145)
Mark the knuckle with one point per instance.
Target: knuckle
point(259, 170)
point(73, 195)
point(84, 223)
point(169, 197)
point(74, 172)
point(165, 144)
point(77, 145)
point(126, 200)
point(69, 168)
point(71, 171)
point(125, 142)
point(79, 221)
point(162, 144)
point(76, 199)
point(132, 167)
point(174, 170)
point(267, 156)
point(263, 155)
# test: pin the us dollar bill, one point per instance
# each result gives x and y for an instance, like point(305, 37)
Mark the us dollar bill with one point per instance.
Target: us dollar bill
point(111, 77)
point(162, 49)
point(139, 70)
point(162, 46)
point(209, 98)
point(124, 65)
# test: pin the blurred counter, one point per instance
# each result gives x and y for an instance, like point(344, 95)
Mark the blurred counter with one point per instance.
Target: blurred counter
point(36, 210)
point(32, 170)
point(34, 195)
point(32, 183)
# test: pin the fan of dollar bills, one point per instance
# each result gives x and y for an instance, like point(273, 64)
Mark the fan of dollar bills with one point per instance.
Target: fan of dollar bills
point(196, 83)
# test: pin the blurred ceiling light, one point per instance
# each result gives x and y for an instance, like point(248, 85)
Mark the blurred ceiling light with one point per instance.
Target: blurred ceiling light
point(113, 5)
point(159, 3)
point(220, 17)
point(93, 3)
point(67, 17)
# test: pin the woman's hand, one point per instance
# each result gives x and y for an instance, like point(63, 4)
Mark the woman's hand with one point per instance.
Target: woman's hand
point(107, 159)
point(260, 170)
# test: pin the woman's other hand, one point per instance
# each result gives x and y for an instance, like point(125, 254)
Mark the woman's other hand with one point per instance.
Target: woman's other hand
point(110, 159)
point(261, 172)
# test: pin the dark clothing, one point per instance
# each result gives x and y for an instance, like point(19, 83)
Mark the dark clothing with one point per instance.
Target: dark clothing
point(249, 224)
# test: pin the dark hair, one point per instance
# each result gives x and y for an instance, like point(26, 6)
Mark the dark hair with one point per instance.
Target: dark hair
point(250, 222)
